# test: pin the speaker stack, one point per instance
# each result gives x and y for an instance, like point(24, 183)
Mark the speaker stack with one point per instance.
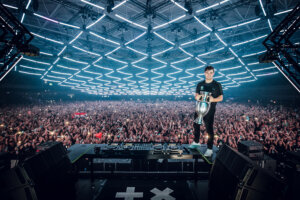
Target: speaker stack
point(15, 184)
point(235, 176)
point(43, 176)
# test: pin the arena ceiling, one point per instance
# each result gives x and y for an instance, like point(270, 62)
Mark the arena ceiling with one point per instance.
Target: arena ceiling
point(144, 47)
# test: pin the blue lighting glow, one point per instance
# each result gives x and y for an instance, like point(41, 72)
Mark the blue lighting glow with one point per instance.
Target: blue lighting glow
point(212, 6)
point(238, 25)
point(46, 38)
point(9, 6)
point(127, 52)
point(57, 22)
point(92, 4)
point(247, 41)
point(170, 22)
point(131, 22)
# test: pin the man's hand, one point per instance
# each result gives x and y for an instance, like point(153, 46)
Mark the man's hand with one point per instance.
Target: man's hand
point(198, 97)
point(211, 99)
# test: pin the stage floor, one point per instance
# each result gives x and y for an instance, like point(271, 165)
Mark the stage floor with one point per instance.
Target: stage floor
point(128, 189)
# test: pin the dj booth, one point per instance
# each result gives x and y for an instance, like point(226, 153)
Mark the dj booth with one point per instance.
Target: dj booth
point(119, 169)
point(139, 159)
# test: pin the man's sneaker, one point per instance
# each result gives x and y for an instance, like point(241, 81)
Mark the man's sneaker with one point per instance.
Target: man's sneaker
point(208, 153)
point(194, 145)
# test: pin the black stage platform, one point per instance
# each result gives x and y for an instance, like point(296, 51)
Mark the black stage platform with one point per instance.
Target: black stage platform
point(141, 171)
point(109, 189)
point(145, 171)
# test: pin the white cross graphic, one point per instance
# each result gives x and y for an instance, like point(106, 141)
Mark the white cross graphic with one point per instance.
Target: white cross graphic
point(160, 195)
point(129, 194)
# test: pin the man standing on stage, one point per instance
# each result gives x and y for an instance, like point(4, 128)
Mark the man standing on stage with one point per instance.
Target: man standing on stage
point(215, 88)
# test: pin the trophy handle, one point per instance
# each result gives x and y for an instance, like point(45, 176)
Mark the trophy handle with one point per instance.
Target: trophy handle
point(205, 96)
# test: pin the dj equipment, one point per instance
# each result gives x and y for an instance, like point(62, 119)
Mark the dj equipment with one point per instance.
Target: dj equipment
point(143, 150)
point(252, 149)
point(139, 158)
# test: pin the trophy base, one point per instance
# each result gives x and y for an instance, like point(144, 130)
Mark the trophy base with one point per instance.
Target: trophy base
point(198, 121)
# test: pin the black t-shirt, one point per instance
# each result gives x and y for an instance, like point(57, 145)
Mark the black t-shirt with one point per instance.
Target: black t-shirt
point(214, 87)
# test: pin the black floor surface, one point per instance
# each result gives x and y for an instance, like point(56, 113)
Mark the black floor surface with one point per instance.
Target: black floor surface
point(154, 189)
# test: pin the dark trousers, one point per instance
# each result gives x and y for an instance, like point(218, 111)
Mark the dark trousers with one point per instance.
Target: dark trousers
point(209, 124)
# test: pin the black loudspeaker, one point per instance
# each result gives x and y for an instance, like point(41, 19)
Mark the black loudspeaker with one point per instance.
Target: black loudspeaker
point(292, 172)
point(4, 161)
point(254, 150)
point(235, 176)
point(15, 184)
point(267, 163)
point(48, 170)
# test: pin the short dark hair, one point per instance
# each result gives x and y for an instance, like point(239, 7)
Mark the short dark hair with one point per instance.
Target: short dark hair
point(209, 68)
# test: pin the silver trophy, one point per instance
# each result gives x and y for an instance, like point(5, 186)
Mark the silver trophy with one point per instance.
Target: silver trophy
point(202, 107)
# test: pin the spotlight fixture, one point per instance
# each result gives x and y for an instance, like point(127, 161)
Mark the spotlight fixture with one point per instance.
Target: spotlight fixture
point(110, 5)
point(268, 57)
point(148, 11)
point(257, 10)
point(188, 6)
point(30, 50)
point(203, 19)
point(35, 5)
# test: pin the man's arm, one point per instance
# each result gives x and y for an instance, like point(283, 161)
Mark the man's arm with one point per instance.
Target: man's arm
point(218, 99)
point(220, 92)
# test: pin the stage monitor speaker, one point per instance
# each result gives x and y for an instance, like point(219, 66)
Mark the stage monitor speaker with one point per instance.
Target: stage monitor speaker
point(15, 184)
point(48, 170)
point(4, 160)
point(50, 157)
point(235, 177)
point(292, 171)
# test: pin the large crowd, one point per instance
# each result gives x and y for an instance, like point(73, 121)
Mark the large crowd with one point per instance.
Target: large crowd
point(22, 128)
